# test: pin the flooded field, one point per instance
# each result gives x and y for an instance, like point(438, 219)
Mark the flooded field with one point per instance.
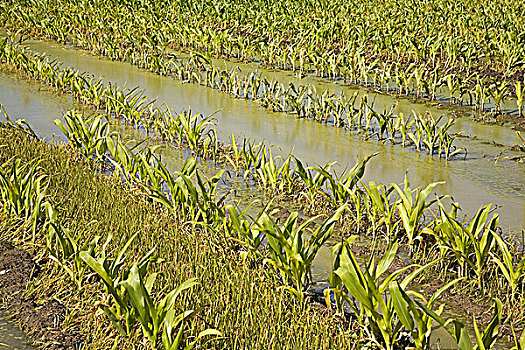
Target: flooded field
point(484, 175)
point(472, 182)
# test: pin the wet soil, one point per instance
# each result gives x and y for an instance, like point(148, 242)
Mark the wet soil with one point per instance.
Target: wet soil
point(41, 321)
point(503, 119)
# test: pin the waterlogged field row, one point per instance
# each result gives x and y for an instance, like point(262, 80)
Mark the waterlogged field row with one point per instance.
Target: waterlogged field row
point(422, 132)
point(470, 257)
point(472, 49)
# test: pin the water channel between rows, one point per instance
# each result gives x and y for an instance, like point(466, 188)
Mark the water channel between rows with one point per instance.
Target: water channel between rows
point(472, 182)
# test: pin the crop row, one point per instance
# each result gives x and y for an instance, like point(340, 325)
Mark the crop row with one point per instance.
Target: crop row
point(423, 132)
point(288, 251)
point(385, 45)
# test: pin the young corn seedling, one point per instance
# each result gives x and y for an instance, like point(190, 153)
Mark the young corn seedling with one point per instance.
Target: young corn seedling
point(484, 340)
point(158, 317)
point(499, 91)
point(87, 136)
point(378, 196)
point(64, 248)
point(414, 319)
point(366, 291)
point(513, 273)
point(111, 273)
point(194, 129)
point(20, 125)
point(136, 168)
point(291, 253)
point(335, 282)
point(314, 183)
point(246, 233)
point(23, 190)
point(412, 208)
point(470, 244)
point(342, 187)
point(173, 330)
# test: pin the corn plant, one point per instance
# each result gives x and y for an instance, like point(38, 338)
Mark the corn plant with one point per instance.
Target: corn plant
point(157, 317)
point(136, 168)
point(173, 330)
point(86, 135)
point(64, 247)
point(111, 273)
point(412, 317)
point(344, 185)
point(290, 254)
point(314, 183)
point(195, 129)
point(499, 91)
point(380, 206)
point(23, 190)
point(365, 290)
point(411, 207)
point(513, 273)
point(185, 198)
point(470, 243)
point(246, 233)
point(20, 125)
point(273, 173)
point(519, 343)
point(485, 339)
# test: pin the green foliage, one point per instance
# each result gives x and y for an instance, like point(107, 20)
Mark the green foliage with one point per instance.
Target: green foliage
point(411, 209)
point(23, 190)
point(484, 340)
point(291, 253)
point(365, 289)
point(470, 244)
point(87, 136)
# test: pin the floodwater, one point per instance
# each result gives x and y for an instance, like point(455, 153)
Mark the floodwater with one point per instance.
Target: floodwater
point(11, 337)
point(477, 181)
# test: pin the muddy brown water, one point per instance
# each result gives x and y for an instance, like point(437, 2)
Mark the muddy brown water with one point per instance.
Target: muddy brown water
point(472, 182)
point(11, 337)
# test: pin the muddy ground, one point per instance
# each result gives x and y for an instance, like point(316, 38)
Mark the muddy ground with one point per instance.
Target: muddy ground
point(41, 321)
